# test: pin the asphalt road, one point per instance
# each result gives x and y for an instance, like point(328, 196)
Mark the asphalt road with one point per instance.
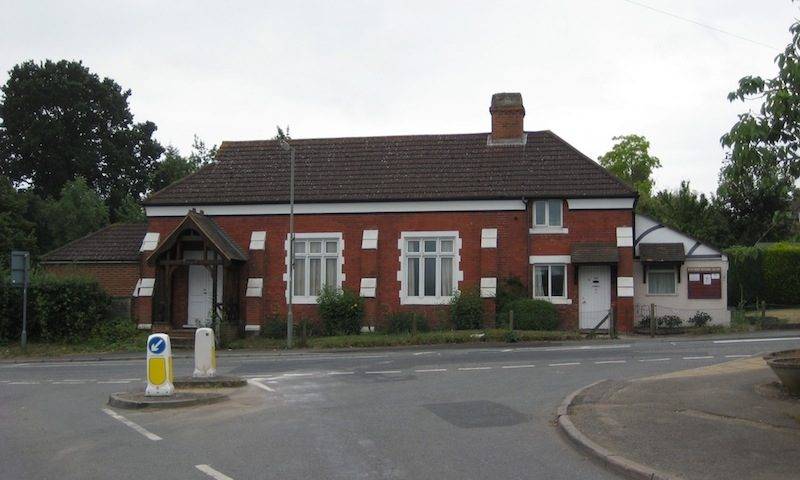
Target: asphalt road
point(423, 413)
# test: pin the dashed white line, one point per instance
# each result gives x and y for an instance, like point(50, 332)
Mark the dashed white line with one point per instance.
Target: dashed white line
point(381, 372)
point(150, 435)
point(666, 359)
point(422, 353)
point(114, 381)
point(603, 362)
point(427, 370)
point(465, 369)
point(518, 366)
point(297, 374)
point(750, 340)
point(507, 350)
point(704, 357)
point(563, 364)
point(737, 356)
point(215, 474)
point(69, 382)
point(23, 383)
point(341, 373)
point(257, 383)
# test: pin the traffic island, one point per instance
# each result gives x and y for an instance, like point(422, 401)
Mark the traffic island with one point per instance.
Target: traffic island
point(138, 400)
point(706, 423)
point(219, 381)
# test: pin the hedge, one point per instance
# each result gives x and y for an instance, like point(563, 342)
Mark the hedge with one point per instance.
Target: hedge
point(531, 314)
point(770, 274)
point(59, 308)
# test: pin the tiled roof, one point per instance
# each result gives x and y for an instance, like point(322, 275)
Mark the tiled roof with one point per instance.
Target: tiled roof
point(594, 253)
point(119, 242)
point(661, 252)
point(209, 229)
point(420, 167)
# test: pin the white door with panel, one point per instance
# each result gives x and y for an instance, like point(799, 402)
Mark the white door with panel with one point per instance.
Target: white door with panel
point(200, 291)
point(594, 285)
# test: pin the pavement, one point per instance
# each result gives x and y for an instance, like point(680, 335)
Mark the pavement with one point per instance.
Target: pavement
point(726, 420)
point(476, 412)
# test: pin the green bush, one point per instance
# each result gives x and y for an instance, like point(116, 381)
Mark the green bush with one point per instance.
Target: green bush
point(669, 321)
point(341, 311)
point(402, 322)
point(782, 274)
point(466, 309)
point(700, 319)
point(117, 330)
point(509, 290)
point(530, 314)
point(59, 308)
point(745, 274)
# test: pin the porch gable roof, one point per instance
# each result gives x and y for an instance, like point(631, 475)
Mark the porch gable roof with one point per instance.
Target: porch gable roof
point(209, 229)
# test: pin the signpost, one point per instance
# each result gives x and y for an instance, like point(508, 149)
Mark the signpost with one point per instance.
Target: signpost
point(20, 273)
point(159, 366)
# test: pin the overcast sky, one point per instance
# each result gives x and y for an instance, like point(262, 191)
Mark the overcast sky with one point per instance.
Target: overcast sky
point(587, 69)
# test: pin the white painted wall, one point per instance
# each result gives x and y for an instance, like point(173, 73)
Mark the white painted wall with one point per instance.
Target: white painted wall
point(666, 235)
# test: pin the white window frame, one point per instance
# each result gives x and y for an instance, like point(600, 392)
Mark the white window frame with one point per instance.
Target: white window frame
point(402, 277)
point(674, 273)
point(546, 228)
point(553, 299)
point(309, 237)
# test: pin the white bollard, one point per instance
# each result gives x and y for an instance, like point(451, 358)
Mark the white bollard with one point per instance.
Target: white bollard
point(205, 354)
point(159, 366)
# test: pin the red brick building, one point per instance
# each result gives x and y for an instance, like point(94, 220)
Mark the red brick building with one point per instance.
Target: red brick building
point(406, 221)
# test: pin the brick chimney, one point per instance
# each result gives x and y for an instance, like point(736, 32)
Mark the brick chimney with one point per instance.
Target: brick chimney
point(507, 115)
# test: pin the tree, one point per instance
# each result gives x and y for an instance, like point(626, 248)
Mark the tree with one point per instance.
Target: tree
point(283, 134)
point(630, 160)
point(77, 213)
point(201, 155)
point(763, 161)
point(175, 166)
point(59, 121)
point(691, 212)
point(16, 232)
point(130, 211)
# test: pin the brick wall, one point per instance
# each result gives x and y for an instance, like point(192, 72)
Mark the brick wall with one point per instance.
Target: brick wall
point(510, 259)
point(117, 279)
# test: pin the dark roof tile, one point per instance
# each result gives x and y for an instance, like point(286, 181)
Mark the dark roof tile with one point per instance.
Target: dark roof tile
point(119, 242)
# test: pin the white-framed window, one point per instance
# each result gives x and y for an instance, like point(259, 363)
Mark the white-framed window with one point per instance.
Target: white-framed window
point(661, 282)
point(318, 262)
point(547, 213)
point(550, 281)
point(429, 269)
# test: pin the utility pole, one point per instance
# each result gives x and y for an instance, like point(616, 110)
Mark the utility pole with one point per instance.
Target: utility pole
point(289, 317)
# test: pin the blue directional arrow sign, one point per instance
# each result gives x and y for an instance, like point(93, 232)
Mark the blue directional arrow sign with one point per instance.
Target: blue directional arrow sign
point(156, 345)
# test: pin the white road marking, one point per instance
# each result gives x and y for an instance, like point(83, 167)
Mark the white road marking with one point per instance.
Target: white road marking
point(422, 353)
point(610, 361)
point(518, 366)
point(737, 356)
point(749, 340)
point(297, 374)
point(426, 370)
point(464, 369)
point(215, 474)
point(380, 372)
point(704, 357)
point(507, 350)
point(257, 383)
point(69, 382)
point(341, 373)
point(150, 435)
point(23, 383)
point(655, 359)
point(563, 364)
point(584, 347)
point(113, 381)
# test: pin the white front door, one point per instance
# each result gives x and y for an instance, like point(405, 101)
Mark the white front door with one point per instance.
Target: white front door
point(595, 293)
point(200, 291)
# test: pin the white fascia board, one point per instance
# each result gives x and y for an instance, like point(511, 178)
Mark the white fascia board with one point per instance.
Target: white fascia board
point(549, 259)
point(354, 207)
point(600, 203)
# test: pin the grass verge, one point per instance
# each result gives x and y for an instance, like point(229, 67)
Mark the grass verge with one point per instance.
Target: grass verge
point(91, 346)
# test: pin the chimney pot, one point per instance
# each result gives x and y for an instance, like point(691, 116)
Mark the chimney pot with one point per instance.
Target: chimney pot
point(507, 118)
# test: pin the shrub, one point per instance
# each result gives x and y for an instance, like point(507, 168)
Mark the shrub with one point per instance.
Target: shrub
point(669, 321)
point(745, 274)
point(341, 311)
point(59, 308)
point(402, 322)
point(509, 290)
point(118, 330)
point(782, 274)
point(274, 327)
point(700, 319)
point(530, 314)
point(466, 309)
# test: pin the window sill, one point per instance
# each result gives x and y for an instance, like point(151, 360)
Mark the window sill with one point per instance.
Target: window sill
point(661, 295)
point(425, 300)
point(304, 300)
point(548, 231)
point(556, 300)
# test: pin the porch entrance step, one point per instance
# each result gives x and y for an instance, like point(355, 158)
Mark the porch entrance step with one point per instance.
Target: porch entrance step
point(179, 337)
